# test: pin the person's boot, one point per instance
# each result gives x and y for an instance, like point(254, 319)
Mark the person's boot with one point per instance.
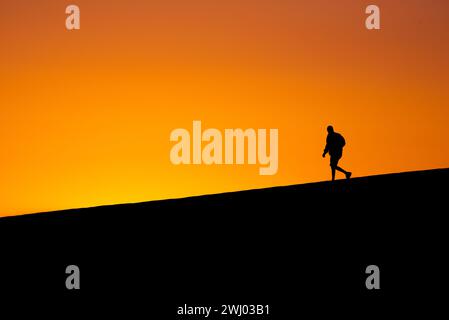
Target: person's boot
point(348, 175)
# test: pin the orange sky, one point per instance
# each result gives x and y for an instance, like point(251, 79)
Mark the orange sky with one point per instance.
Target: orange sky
point(85, 116)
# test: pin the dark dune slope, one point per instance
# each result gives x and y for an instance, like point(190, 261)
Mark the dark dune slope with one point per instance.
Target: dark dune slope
point(285, 246)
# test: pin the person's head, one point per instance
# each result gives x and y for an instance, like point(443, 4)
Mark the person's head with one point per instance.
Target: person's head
point(330, 129)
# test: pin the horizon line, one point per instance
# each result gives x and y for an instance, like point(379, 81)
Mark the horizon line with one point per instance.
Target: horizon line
point(222, 193)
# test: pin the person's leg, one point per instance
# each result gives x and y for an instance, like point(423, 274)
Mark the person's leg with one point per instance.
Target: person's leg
point(334, 166)
point(340, 169)
point(347, 173)
point(333, 163)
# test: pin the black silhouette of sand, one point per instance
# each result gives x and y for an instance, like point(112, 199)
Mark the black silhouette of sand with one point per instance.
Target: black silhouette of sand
point(301, 246)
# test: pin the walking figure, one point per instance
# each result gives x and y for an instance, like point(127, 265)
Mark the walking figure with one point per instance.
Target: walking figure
point(334, 145)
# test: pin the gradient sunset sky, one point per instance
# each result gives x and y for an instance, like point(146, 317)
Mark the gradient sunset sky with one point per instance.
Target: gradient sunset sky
point(85, 116)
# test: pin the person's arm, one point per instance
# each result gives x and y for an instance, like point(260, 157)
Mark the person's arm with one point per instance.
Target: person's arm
point(326, 148)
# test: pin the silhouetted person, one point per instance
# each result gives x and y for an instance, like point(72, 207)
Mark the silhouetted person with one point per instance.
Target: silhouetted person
point(334, 145)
